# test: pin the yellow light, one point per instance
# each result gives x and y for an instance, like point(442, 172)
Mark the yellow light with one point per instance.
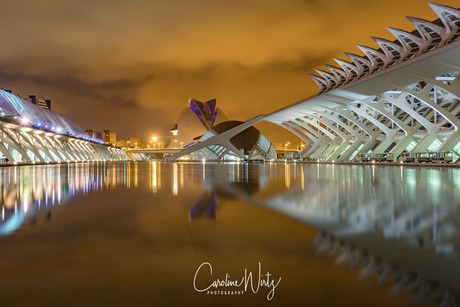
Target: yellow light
point(154, 138)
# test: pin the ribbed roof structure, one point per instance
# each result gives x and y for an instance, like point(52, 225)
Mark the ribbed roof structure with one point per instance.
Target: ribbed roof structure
point(22, 112)
point(403, 97)
point(427, 36)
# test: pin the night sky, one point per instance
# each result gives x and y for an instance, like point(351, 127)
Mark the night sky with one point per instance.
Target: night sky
point(131, 66)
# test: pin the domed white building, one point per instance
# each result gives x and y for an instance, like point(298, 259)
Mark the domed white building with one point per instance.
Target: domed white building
point(194, 121)
point(250, 144)
point(203, 121)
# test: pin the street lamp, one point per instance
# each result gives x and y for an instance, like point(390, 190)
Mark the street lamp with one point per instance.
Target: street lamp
point(154, 141)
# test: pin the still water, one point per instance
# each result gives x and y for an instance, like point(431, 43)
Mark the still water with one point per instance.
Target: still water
point(129, 234)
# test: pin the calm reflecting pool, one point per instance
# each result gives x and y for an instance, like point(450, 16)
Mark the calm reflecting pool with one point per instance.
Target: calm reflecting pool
point(150, 233)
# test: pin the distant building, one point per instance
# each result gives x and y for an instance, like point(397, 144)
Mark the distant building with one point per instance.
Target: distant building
point(42, 103)
point(99, 135)
point(109, 138)
point(249, 143)
point(45, 104)
point(194, 121)
point(134, 142)
point(121, 144)
point(113, 138)
point(89, 132)
point(201, 121)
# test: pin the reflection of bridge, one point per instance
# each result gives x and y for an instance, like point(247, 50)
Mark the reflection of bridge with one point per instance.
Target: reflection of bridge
point(29, 133)
point(142, 154)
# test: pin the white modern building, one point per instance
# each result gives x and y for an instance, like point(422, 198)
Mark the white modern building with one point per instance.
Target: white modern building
point(249, 144)
point(206, 134)
point(401, 97)
point(31, 134)
point(194, 121)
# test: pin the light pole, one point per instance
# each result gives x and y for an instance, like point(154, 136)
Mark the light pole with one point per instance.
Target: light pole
point(154, 141)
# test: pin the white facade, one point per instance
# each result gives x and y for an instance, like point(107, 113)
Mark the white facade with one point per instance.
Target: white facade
point(26, 145)
point(403, 97)
point(30, 134)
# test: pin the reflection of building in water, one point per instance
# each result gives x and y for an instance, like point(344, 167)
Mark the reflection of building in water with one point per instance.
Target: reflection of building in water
point(205, 207)
point(402, 208)
point(30, 190)
point(404, 228)
point(27, 191)
point(411, 218)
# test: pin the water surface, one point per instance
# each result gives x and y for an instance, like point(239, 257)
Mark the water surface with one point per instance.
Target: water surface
point(135, 233)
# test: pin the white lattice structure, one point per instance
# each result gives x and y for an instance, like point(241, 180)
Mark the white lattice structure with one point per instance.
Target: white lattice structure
point(29, 134)
point(402, 97)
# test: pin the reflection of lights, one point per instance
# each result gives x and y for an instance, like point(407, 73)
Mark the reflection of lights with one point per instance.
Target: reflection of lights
point(136, 174)
point(12, 224)
point(204, 171)
point(129, 175)
point(26, 204)
point(182, 175)
point(302, 178)
point(287, 176)
point(174, 188)
point(435, 181)
point(154, 177)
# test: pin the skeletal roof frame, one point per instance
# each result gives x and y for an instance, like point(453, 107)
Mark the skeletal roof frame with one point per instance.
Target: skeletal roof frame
point(427, 36)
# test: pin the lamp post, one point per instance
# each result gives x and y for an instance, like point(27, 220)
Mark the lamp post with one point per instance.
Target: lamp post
point(154, 139)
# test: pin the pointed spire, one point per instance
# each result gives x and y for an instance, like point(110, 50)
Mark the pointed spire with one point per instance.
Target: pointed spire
point(440, 9)
point(399, 34)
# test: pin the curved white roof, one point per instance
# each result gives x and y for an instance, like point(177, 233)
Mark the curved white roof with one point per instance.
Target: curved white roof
point(23, 112)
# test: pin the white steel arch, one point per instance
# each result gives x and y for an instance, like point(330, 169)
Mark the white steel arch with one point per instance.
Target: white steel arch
point(403, 96)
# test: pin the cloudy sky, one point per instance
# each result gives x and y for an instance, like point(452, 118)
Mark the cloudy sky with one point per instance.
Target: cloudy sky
point(131, 66)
